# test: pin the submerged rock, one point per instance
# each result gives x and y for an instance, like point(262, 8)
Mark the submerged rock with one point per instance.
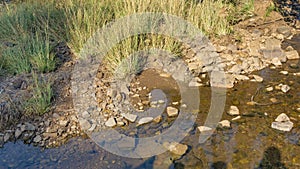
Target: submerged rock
point(111, 122)
point(258, 78)
point(282, 118)
point(233, 111)
point(129, 117)
point(172, 112)
point(285, 88)
point(283, 126)
point(225, 124)
point(292, 55)
point(283, 123)
point(204, 129)
point(145, 120)
point(177, 148)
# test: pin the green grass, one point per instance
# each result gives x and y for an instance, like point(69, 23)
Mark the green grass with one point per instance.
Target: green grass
point(42, 96)
point(30, 29)
point(270, 9)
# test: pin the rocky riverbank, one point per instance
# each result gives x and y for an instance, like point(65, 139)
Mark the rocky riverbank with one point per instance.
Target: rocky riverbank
point(257, 43)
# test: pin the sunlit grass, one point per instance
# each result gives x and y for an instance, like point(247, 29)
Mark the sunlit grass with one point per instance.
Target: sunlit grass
point(42, 96)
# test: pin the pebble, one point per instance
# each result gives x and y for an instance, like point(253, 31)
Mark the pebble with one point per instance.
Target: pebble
point(285, 88)
point(233, 111)
point(258, 78)
point(129, 117)
point(171, 111)
point(282, 118)
point(145, 120)
point(225, 123)
point(111, 122)
point(84, 124)
point(283, 126)
point(6, 137)
point(157, 119)
point(236, 118)
point(241, 77)
point(284, 72)
point(18, 133)
point(269, 89)
point(292, 54)
point(63, 123)
point(161, 101)
point(276, 62)
point(204, 129)
point(273, 100)
point(177, 148)
point(92, 127)
point(37, 139)
point(29, 127)
point(283, 123)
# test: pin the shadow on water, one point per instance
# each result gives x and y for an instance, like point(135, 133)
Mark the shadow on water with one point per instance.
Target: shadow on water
point(271, 159)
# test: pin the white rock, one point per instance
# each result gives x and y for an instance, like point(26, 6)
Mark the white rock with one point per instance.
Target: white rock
point(37, 139)
point(92, 127)
point(241, 77)
point(129, 117)
point(284, 72)
point(233, 111)
point(283, 126)
point(285, 88)
point(171, 111)
point(225, 123)
point(269, 89)
point(276, 62)
point(282, 118)
point(18, 133)
point(236, 118)
point(204, 128)
point(84, 124)
point(111, 122)
point(63, 123)
point(161, 101)
point(292, 54)
point(145, 120)
point(177, 148)
point(258, 78)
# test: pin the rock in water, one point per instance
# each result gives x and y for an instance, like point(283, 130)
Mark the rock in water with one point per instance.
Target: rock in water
point(258, 78)
point(84, 124)
point(145, 120)
point(204, 129)
point(111, 122)
point(177, 148)
point(292, 55)
point(129, 117)
point(171, 111)
point(285, 88)
point(282, 118)
point(233, 111)
point(225, 124)
point(283, 126)
point(18, 133)
point(282, 123)
point(37, 139)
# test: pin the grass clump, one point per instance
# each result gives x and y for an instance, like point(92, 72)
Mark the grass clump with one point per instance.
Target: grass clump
point(270, 9)
point(42, 95)
point(31, 53)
